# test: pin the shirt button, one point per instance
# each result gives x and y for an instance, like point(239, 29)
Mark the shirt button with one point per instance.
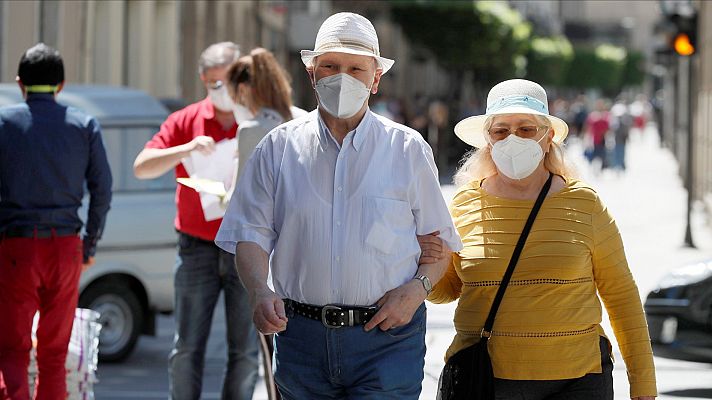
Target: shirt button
point(338, 223)
point(338, 258)
point(339, 188)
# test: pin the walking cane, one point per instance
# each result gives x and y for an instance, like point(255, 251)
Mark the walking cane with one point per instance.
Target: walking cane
point(267, 352)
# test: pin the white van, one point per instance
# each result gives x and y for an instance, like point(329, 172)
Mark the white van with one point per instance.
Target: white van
point(132, 279)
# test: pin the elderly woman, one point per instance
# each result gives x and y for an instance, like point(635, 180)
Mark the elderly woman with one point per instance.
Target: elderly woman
point(547, 341)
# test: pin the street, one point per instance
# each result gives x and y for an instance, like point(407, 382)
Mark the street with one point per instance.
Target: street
point(648, 202)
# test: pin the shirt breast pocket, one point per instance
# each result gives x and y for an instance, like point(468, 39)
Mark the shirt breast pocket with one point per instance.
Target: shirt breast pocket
point(388, 224)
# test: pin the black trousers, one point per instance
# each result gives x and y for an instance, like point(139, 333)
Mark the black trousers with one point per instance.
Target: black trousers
point(587, 387)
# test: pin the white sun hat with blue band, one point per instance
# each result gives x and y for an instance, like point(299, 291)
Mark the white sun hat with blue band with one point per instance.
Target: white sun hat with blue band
point(350, 33)
point(515, 96)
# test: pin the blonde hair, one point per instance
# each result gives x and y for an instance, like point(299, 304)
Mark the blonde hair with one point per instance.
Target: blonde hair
point(270, 86)
point(477, 164)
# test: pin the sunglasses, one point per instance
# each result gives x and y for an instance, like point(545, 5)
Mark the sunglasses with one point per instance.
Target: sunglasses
point(526, 132)
point(215, 85)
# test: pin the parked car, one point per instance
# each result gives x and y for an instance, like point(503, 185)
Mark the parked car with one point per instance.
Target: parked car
point(132, 279)
point(679, 313)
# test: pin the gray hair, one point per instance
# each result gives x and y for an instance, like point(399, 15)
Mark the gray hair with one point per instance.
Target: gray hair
point(218, 55)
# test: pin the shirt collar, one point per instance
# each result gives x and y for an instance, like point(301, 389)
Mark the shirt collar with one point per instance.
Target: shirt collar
point(39, 96)
point(359, 133)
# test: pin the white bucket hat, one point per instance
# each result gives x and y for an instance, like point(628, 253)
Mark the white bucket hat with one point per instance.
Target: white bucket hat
point(350, 33)
point(515, 96)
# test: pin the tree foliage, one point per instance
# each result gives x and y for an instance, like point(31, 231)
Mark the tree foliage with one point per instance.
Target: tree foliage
point(486, 37)
point(634, 70)
point(600, 67)
point(548, 60)
point(494, 42)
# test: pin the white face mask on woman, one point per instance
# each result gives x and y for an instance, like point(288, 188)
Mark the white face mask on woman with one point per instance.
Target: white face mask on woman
point(341, 95)
point(220, 98)
point(242, 113)
point(517, 157)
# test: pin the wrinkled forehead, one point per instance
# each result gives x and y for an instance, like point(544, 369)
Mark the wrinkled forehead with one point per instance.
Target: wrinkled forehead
point(216, 73)
point(345, 59)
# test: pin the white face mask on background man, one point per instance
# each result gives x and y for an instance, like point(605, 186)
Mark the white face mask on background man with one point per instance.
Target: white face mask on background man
point(517, 157)
point(220, 98)
point(341, 95)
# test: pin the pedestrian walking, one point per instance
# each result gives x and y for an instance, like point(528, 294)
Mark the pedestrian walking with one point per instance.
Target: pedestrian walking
point(621, 123)
point(546, 341)
point(598, 125)
point(579, 113)
point(202, 269)
point(48, 153)
point(330, 205)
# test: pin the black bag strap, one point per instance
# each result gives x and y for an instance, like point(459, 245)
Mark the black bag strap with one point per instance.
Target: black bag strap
point(487, 330)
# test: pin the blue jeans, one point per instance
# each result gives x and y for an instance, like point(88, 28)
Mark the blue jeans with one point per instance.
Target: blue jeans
point(315, 362)
point(202, 271)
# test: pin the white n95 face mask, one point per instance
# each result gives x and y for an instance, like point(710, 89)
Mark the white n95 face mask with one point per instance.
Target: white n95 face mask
point(241, 113)
point(220, 98)
point(516, 157)
point(341, 95)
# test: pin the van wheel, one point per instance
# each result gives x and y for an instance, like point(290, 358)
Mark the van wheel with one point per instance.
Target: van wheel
point(121, 317)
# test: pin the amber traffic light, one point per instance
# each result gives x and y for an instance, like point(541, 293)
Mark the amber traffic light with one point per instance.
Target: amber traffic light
point(682, 45)
point(684, 35)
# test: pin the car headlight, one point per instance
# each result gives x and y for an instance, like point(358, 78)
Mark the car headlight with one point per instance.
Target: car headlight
point(687, 275)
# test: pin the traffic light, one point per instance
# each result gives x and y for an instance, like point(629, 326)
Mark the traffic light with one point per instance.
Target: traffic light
point(684, 34)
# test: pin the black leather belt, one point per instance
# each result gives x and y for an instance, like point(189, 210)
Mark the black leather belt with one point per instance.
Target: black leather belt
point(333, 316)
point(39, 233)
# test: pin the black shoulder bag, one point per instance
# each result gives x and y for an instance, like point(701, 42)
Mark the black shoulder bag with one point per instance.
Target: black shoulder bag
point(467, 375)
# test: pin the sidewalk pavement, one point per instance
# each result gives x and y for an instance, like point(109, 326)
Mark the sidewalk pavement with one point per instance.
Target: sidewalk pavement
point(649, 204)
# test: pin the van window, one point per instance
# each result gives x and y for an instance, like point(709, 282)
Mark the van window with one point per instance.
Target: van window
point(123, 143)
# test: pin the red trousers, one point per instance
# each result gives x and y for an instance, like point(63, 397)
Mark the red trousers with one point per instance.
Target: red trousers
point(37, 274)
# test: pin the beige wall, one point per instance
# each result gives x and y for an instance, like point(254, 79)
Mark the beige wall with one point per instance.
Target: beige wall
point(152, 45)
point(19, 31)
point(703, 109)
point(202, 23)
point(642, 14)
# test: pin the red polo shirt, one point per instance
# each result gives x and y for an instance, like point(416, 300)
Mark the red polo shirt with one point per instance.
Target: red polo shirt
point(181, 127)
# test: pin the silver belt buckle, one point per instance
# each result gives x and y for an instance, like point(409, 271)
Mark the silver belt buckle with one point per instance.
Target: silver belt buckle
point(323, 315)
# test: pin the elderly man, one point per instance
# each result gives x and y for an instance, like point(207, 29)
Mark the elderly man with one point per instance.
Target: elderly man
point(337, 197)
point(202, 269)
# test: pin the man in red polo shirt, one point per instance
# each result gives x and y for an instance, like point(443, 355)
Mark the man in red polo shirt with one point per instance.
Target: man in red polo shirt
point(202, 269)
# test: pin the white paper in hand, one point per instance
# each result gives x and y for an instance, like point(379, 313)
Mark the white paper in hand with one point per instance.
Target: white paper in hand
point(209, 173)
point(206, 186)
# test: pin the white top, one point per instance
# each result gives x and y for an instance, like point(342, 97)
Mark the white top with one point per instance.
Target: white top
point(340, 221)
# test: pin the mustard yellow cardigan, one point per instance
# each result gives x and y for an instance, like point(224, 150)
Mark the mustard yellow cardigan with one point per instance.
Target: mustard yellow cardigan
point(548, 324)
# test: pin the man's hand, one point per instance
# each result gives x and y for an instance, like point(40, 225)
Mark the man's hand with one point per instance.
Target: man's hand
point(397, 306)
point(432, 248)
point(86, 265)
point(268, 312)
point(643, 398)
point(204, 144)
